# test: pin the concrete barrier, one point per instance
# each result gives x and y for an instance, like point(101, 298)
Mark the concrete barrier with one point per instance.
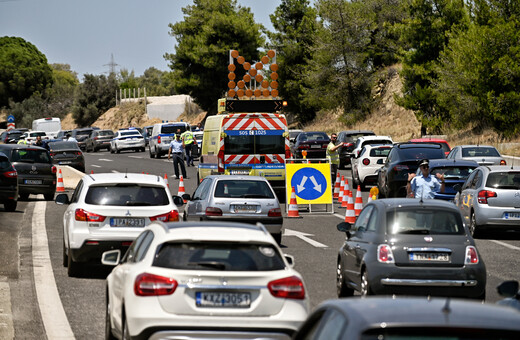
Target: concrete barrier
point(70, 175)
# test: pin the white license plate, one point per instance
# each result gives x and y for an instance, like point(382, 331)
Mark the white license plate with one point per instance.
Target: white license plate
point(65, 162)
point(127, 222)
point(511, 215)
point(241, 209)
point(223, 299)
point(33, 181)
point(440, 257)
point(315, 146)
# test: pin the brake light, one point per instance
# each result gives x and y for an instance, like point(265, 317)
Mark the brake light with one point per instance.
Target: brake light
point(220, 161)
point(96, 138)
point(303, 146)
point(366, 161)
point(348, 145)
point(11, 174)
point(53, 154)
point(154, 285)
point(471, 255)
point(54, 170)
point(287, 288)
point(78, 153)
point(172, 216)
point(324, 146)
point(211, 211)
point(276, 212)
point(483, 196)
point(384, 254)
point(158, 139)
point(502, 162)
point(85, 216)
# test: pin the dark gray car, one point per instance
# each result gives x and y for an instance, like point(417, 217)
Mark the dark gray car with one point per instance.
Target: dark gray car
point(482, 154)
point(99, 139)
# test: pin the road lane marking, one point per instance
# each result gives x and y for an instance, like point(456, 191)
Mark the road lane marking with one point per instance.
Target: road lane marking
point(339, 216)
point(507, 245)
point(6, 317)
point(115, 171)
point(105, 160)
point(138, 157)
point(51, 309)
point(96, 166)
point(303, 237)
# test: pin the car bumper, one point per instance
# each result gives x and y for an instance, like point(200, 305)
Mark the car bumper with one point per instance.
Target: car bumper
point(125, 146)
point(9, 193)
point(91, 251)
point(48, 186)
point(486, 215)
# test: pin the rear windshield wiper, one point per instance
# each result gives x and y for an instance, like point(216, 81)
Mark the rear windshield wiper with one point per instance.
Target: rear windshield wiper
point(137, 203)
point(209, 264)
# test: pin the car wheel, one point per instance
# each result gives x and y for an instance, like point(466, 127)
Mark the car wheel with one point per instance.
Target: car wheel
point(74, 268)
point(116, 149)
point(473, 228)
point(108, 325)
point(278, 238)
point(184, 218)
point(151, 154)
point(95, 149)
point(10, 205)
point(65, 257)
point(24, 197)
point(341, 288)
point(365, 286)
point(49, 197)
point(158, 154)
point(111, 150)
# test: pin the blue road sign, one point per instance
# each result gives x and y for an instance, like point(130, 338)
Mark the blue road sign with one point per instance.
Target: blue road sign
point(309, 183)
point(10, 119)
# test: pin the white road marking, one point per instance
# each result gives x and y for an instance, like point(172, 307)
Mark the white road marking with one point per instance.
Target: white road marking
point(507, 245)
point(96, 166)
point(53, 315)
point(339, 216)
point(105, 160)
point(6, 317)
point(115, 171)
point(138, 157)
point(303, 237)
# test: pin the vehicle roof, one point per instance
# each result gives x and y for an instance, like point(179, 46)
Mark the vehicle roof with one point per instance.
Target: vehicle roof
point(433, 140)
point(101, 178)
point(353, 132)
point(407, 145)
point(238, 178)
point(391, 203)
point(370, 312)
point(377, 146)
point(446, 162)
point(476, 146)
point(375, 137)
point(501, 168)
point(82, 129)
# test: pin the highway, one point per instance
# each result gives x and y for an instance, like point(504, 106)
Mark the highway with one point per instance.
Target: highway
point(38, 299)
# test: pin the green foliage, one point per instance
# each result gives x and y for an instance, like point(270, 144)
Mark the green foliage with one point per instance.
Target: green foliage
point(28, 110)
point(127, 80)
point(94, 97)
point(157, 83)
point(23, 70)
point(210, 29)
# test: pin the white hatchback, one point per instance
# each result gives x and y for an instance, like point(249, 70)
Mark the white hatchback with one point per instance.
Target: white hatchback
point(108, 211)
point(366, 165)
point(127, 139)
point(204, 280)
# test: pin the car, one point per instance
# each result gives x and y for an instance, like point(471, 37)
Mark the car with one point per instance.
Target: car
point(377, 317)
point(161, 136)
point(368, 140)
point(62, 134)
point(314, 143)
point(8, 184)
point(30, 136)
point(348, 139)
point(10, 136)
point(489, 199)
point(236, 198)
point(127, 139)
point(454, 171)
point(403, 159)
point(147, 132)
point(66, 153)
point(81, 136)
point(442, 142)
point(99, 139)
point(108, 210)
point(366, 165)
point(482, 154)
point(406, 246)
point(293, 133)
point(36, 173)
point(204, 280)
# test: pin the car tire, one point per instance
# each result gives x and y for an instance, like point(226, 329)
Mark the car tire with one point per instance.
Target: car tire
point(341, 288)
point(65, 257)
point(184, 218)
point(73, 268)
point(151, 154)
point(157, 154)
point(108, 325)
point(49, 197)
point(111, 150)
point(10, 205)
point(278, 238)
point(95, 149)
point(365, 286)
point(24, 197)
point(473, 227)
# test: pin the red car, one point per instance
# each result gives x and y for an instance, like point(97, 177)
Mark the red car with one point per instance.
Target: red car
point(444, 145)
point(314, 143)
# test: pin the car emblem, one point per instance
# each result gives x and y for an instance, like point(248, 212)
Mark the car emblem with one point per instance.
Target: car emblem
point(128, 213)
point(428, 238)
point(223, 281)
point(33, 168)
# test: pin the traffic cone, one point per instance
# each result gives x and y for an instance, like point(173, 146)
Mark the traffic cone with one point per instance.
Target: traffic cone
point(350, 215)
point(358, 206)
point(341, 196)
point(181, 188)
point(166, 180)
point(347, 188)
point(337, 186)
point(293, 206)
point(60, 187)
point(91, 172)
point(347, 191)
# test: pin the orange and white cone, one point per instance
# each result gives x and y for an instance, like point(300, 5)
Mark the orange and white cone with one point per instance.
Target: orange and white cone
point(337, 186)
point(166, 180)
point(342, 196)
point(293, 206)
point(181, 191)
point(60, 187)
point(350, 216)
point(347, 191)
point(358, 205)
point(91, 172)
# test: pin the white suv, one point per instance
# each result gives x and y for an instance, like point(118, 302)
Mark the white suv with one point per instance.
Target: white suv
point(127, 139)
point(108, 211)
point(162, 135)
point(204, 280)
point(370, 140)
point(366, 166)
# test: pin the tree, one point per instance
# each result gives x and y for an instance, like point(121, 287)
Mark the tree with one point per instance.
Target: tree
point(210, 29)
point(60, 96)
point(23, 70)
point(94, 97)
point(157, 82)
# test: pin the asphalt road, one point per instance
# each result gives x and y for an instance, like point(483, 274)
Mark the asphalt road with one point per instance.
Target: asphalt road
point(24, 304)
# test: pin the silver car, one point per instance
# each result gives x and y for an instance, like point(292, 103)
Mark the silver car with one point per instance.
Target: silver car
point(482, 154)
point(490, 198)
point(235, 198)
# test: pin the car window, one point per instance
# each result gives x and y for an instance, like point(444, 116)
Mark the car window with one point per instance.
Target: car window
point(126, 195)
point(201, 193)
point(363, 219)
point(143, 247)
point(63, 146)
point(477, 180)
point(130, 133)
point(422, 153)
point(469, 180)
point(105, 133)
point(330, 327)
point(379, 152)
point(424, 221)
point(480, 151)
point(131, 252)
point(453, 172)
point(30, 156)
point(4, 162)
point(243, 189)
point(247, 144)
point(222, 256)
point(75, 194)
point(504, 180)
point(171, 129)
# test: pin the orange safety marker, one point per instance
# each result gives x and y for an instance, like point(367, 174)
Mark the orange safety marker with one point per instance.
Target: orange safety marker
point(342, 196)
point(181, 191)
point(293, 206)
point(60, 187)
point(358, 206)
point(166, 180)
point(347, 188)
point(91, 172)
point(347, 192)
point(350, 216)
point(337, 186)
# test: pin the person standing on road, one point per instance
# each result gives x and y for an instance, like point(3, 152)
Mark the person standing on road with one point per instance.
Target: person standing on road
point(333, 156)
point(69, 138)
point(38, 141)
point(176, 149)
point(424, 185)
point(187, 140)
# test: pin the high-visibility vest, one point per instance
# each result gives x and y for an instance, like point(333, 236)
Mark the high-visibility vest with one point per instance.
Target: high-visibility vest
point(332, 155)
point(187, 136)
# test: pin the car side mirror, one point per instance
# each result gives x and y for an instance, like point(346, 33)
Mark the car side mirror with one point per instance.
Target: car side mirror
point(62, 199)
point(178, 200)
point(508, 288)
point(111, 257)
point(344, 227)
point(290, 259)
point(457, 188)
point(380, 161)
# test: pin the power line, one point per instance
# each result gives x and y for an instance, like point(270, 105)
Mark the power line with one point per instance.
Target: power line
point(112, 64)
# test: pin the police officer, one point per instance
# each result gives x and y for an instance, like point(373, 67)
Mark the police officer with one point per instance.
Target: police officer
point(188, 142)
point(176, 147)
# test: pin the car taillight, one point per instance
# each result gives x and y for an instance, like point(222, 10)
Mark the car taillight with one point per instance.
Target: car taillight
point(401, 167)
point(483, 196)
point(153, 285)
point(287, 288)
point(366, 161)
point(78, 153)
point(172, 216)
point(324, 146)
point(159, 139)
point(471, 255)
point(220, 161)
point(276, 212)
point(85, 216)
point(96, 138)
point(502, 162)
point(384, 254)
point(211, 211)
point(11, 174)
point(303, 146)
point(54, 170)
point(53, 154)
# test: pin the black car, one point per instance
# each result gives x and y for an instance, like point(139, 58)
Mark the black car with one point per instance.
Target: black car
point(81, 136)
point(36, 173)
point(62, 134)
point(313, 144)
point(403, 159)
point(11, 136)
point(349, 139)
point(407, 246)
point(67, 153)
point(8, 184)
point(99, 139)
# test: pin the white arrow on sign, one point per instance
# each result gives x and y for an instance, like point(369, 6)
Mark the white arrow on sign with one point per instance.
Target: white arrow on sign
point(301, 186)
point(303, 237)
point(317, 186)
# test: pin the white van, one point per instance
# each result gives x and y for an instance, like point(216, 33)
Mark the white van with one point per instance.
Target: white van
point(51, 126)
point(162, 135)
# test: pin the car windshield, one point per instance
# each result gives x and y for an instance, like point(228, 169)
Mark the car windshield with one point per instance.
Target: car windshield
point(221, 256)
point(379, 152)
point(35, 134)
point(30, 156)
point(171, 129)
point(254, 144)
point(480, 151)
point(354, 137)
point(313, 137)
point(424, 221)
point(422, 153)
point(105, 133)
point(453, 172)
point(504, 180)
point(63, 146)
point(130, 133)
point(243, 189)
point(126, 195)
point(420, 332)
point(84, 132)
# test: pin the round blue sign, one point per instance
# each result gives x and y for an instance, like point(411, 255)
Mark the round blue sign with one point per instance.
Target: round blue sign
point(10, 119)
point(309, 184)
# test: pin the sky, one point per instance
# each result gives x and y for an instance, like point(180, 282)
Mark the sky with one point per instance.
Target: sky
point(85, 34)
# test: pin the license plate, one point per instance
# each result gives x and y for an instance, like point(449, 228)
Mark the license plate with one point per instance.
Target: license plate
point(33, 181)
point(244, 209)
point(65, 162)
point(127, 222)
point(315, 146)
point(511, 215)
point(439, 257)
point(223, 299)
